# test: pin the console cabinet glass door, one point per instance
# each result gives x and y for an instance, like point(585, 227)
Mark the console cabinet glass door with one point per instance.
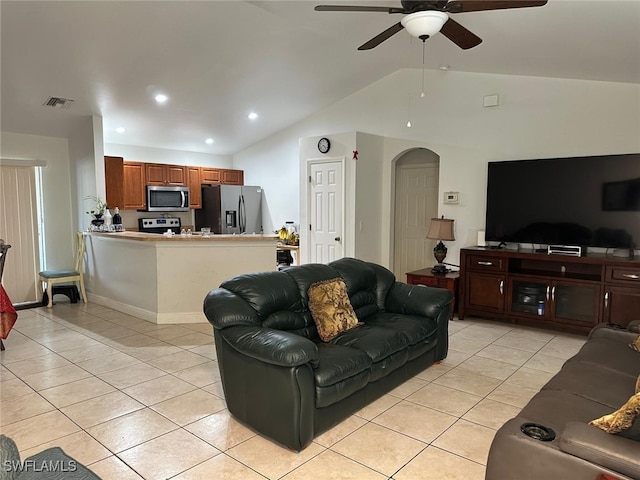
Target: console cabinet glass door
point(576, 302)
point(529, 297)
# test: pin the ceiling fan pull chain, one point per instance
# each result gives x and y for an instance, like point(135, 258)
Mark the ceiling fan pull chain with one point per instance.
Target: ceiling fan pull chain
point(422, 94)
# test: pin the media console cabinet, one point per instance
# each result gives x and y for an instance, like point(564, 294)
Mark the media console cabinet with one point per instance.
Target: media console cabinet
point(559, 291)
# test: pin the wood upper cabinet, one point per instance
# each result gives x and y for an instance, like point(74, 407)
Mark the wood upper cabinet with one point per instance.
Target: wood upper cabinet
point(134, 186)
point(169, 175)
point(233, 177)
point(224, 176)
point(125, 183)
point(211, 175)
point(195, 192)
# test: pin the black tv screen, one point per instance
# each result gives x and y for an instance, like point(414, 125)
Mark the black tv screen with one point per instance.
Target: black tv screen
point(584, 201)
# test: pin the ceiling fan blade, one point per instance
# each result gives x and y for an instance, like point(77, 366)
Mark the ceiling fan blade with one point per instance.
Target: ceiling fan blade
point(460, 35)
point(463, 6)
point(356, 8)
point(381, 37)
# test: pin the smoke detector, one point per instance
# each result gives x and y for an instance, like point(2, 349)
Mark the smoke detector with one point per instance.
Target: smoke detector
point(59, 102)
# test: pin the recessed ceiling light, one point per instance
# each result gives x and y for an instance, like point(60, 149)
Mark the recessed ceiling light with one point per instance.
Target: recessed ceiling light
point(209, 141)
point(252, 116)
point(161, 98)
point(121, 129)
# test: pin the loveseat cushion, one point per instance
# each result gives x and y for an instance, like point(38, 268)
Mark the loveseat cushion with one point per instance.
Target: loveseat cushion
point(386, 348)
point(420, 332)
point(340, 372)
point(365, 285)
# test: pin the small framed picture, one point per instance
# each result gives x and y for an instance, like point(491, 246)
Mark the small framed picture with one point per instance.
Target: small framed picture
point(451, 197)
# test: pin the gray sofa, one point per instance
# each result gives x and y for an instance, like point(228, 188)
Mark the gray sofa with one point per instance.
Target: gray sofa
point(280, 379)
point(598, 380)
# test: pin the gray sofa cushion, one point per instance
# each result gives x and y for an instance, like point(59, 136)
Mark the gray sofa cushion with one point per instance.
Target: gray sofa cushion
point(593, 382)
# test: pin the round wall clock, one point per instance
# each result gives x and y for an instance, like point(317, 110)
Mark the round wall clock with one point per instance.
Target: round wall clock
point(324, 145)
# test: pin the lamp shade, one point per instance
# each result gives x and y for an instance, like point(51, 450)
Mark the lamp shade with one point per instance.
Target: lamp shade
point(427, 23)
point(441, 229)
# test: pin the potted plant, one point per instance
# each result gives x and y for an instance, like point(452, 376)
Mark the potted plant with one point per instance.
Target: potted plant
point(98, 211)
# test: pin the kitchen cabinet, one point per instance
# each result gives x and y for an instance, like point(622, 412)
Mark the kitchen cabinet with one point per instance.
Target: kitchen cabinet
point(561, 291)
point(195, 192)
point(166, 175)
point(232, 177)
point(223, 176)
point(125, 183)
point(211, 175)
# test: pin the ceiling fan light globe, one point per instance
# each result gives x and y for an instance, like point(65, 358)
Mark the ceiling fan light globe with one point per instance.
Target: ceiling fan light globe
point(427, 23)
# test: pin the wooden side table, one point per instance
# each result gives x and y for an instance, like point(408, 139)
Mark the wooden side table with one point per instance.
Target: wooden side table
point(447, 280)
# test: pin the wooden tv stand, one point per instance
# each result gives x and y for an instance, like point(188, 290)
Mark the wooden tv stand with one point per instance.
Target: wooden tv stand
point(557, 291)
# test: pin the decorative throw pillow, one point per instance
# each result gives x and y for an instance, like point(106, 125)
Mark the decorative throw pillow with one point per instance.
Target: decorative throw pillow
point(635, 344)
point(638, 385)
point(624, 421)
point(331, 309)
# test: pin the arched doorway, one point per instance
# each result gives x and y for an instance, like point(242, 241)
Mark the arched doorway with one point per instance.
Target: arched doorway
point(416, 201)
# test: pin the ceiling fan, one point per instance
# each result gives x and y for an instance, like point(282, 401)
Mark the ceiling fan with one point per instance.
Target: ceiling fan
point(425, 18)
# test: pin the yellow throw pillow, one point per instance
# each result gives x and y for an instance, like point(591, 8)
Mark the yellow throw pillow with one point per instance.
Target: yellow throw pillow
point(331, 309)
point(635, 344)
point(622, 419)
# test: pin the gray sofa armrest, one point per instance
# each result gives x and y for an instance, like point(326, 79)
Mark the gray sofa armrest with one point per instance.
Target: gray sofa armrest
point(276, 347)
point(594, 445)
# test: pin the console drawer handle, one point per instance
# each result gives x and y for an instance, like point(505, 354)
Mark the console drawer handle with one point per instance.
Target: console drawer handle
point(632, 276)
point(487, 264)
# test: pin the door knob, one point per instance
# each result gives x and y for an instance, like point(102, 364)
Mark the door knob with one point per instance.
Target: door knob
point(337, 239)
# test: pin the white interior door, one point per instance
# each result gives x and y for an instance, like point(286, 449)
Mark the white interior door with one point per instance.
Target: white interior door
point(326, 197)
point(416, 203)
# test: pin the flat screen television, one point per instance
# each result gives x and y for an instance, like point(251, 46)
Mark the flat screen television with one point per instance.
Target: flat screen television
point(582, 201)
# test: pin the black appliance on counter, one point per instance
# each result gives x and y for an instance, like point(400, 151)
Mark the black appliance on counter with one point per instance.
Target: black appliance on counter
point(159, 225)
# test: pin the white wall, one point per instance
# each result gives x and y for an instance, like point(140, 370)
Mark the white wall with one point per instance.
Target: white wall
point(86, 169)
point(56, 185)
point(537, 117)
point(163, 155)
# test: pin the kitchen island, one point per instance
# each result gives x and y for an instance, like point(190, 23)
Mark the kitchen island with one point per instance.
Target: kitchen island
point(164, 279)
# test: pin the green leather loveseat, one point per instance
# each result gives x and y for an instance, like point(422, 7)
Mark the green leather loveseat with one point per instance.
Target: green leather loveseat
point(282, 380)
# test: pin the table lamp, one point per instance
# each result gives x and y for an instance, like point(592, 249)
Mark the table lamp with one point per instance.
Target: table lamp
point(440, 229)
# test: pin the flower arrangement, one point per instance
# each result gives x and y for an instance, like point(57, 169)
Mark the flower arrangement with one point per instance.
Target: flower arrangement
point(100, 206)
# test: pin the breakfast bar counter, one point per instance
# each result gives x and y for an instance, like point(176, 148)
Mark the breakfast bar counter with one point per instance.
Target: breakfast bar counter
point(164, 279)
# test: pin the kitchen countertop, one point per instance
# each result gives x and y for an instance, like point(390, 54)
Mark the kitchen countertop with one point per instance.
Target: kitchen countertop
point(160, 237)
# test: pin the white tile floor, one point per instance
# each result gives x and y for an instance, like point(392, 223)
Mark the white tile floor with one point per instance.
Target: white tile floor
point(132, 400)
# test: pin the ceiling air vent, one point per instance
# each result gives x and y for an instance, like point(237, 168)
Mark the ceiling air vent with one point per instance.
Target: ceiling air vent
point(59, 102)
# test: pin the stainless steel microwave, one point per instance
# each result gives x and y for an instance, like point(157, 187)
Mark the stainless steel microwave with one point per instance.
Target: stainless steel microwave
point(167, 199)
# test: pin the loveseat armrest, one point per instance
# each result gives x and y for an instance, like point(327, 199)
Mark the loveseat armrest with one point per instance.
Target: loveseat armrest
point(276, 347)
point(418, 300)
point(429, 302)
point(596, 446)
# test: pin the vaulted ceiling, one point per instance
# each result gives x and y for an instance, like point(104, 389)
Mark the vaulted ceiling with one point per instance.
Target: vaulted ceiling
point(217, 61)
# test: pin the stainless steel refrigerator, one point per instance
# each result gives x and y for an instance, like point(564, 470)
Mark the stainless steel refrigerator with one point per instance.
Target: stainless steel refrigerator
point(230, 209)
